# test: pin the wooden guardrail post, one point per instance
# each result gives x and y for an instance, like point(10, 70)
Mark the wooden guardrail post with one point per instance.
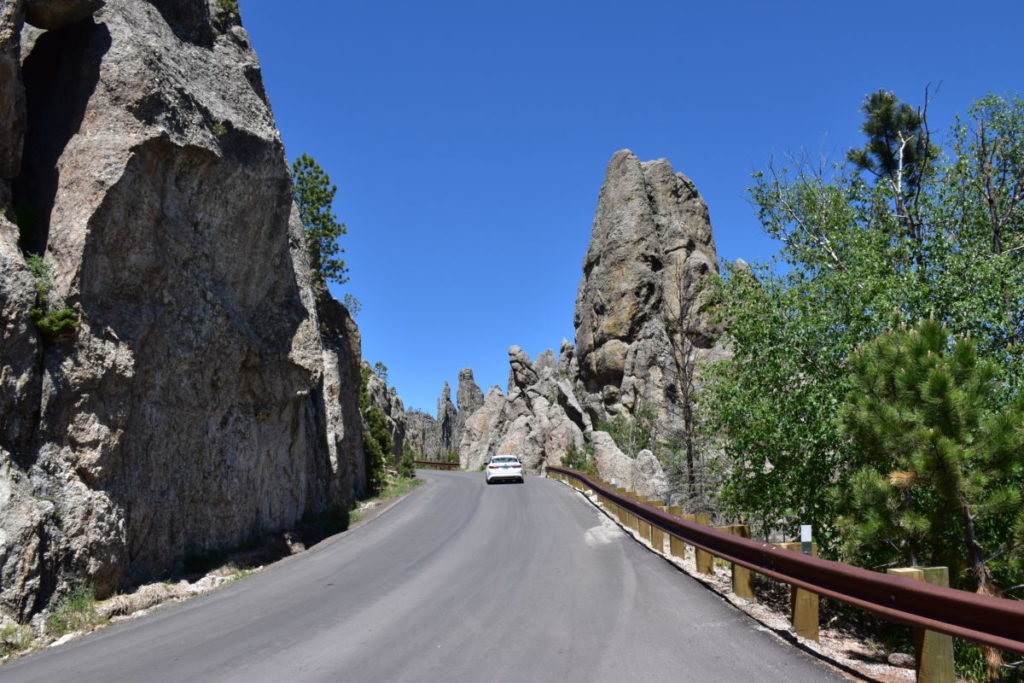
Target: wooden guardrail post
point(705, 560)
point(803, 602)
point(742, 578)
point(675, 545)
point(657, 535)
point(933, 651)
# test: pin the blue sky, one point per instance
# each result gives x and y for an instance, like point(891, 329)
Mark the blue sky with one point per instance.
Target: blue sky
point(469, 139)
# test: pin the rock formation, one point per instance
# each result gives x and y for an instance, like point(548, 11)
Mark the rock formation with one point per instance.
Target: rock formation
point(447, 415)
point(642, 332)
point(422, 434)
point(641, 324)
point(435, 438)
point(539, 420)
point(390, 404)
point(204, 398)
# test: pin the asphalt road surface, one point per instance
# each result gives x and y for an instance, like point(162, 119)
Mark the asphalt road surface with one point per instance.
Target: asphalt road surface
point(458, 582)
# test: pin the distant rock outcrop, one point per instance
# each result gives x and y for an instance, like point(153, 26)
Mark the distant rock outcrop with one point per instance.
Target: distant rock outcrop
point(642, 332)
point(422, 434)
point(204, 398)
point(435, 438)
point(539, 420)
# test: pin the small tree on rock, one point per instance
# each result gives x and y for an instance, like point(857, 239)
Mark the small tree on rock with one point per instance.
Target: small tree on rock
point(314, 197)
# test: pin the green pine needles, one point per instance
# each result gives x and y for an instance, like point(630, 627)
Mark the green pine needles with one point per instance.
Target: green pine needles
point(377, 442)
point(943, 462)
point(314, 196)
point(53, 325)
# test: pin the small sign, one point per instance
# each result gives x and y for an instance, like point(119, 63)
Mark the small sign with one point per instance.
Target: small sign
point(805, 539)
point(614, 483)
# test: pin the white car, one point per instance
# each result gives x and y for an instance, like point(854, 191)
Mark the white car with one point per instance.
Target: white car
point(504, 468)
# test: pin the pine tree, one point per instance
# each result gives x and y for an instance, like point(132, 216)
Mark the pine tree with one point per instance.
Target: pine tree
point(314, 197)
point(944, 466)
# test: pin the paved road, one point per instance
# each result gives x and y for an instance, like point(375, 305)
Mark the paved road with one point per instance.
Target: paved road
point(458, 582)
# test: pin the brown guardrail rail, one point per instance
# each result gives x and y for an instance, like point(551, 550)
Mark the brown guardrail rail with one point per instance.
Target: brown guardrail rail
point(436, 463)
point(983, 619)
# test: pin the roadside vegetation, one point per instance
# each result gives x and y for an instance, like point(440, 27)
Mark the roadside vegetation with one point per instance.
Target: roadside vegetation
point(76, 612)
point(875, 387)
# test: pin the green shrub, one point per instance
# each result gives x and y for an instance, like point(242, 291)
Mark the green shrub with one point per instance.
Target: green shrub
point(76, 612)
point(579, 460)
point(52, 325)
point(407, 466)
point(632, 434)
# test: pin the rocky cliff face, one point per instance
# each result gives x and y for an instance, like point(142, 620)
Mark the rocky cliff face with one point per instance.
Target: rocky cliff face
point(642, 332)
point(203, 399)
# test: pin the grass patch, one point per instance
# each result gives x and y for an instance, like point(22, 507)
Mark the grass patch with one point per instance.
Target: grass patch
point(240, 574)
point(15, 638)
point(76, 612)
point(397, 486)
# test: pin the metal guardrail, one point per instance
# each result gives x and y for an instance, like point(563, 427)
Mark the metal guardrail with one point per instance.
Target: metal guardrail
point(436, 463)
point(983, 619)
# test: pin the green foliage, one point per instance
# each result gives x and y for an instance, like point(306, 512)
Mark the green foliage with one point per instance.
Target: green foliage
point(579, 460)
point(381, 371)
point(52, 325)
point(898, 147)
point(76, 612)
point(942, 461)
point(314, 197)
point(354, 306)
point(14, 638)
point(632, 433)
point(860, 250)
point(377, 442)
point(229, 7)
point(406, 465)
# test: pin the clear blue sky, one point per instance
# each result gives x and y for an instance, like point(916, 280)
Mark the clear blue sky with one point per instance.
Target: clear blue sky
point(469, 139)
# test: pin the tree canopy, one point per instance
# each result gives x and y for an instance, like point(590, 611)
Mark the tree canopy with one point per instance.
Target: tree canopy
point(865, 246)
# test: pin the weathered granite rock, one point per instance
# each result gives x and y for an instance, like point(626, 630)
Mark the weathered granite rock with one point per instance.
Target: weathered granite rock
point(391, 405)
point(642, 332)
point(191, 409)
point(469, 399)
point(12, 92)
point(535, 420)
point(642, 474)
point(422, 434)
point(642, 328)
point(447, 419)
point(55, 14)
point(480, 430)
point(342, 351)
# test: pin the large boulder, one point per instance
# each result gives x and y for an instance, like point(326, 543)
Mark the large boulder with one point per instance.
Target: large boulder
point(201, 402)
